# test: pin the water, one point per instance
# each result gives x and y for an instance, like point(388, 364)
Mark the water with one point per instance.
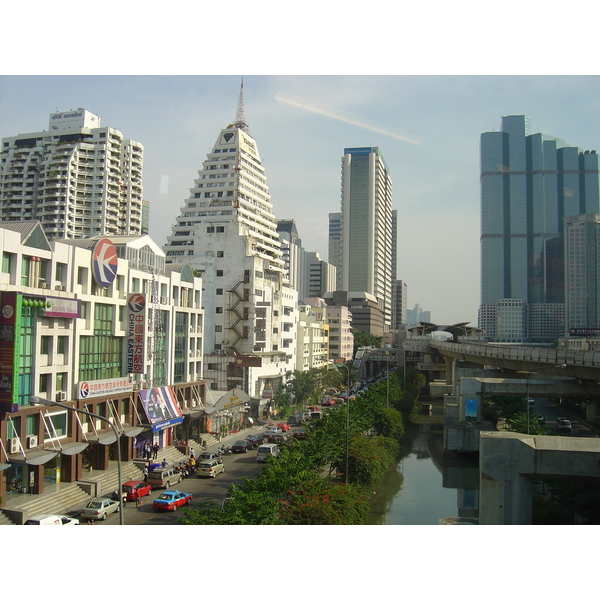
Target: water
point(425, 486)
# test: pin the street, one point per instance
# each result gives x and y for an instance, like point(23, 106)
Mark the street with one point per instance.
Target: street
point(203, 489)
point(550, 410)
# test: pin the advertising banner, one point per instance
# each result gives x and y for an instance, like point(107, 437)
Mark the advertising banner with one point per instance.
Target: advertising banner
point(248, 361)
point(136, 333)
point(62, 307)
point(10, 323)
point(161, 407)
point(471, 409)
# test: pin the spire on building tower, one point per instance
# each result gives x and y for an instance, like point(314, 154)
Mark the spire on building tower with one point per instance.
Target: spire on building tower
point(240, 116)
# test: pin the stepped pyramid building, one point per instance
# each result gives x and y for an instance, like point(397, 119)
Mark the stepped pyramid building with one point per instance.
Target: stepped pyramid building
point(227, 231)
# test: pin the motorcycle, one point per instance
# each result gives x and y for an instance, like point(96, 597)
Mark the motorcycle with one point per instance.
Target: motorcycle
point(224, 450)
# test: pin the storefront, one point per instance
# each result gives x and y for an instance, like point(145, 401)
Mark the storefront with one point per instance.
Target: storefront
point(230, 413)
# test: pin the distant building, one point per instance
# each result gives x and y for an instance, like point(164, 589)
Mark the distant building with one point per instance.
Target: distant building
point(313, 337)
point(77, 179)
point(335, 245)
point(366, 312)
point(339, 321)
point(417, 315)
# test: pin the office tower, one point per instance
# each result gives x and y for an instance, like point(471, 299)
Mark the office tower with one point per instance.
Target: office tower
point(366, 210)
point(78, 179)
point(400, 299)
point(228, 233)
point(529, 183)
point(582, 262)
point(417, 315)
point(291, 248)
point(335, 245)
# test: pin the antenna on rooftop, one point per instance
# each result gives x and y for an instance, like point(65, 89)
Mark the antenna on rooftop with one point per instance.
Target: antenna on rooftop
point(240, 116)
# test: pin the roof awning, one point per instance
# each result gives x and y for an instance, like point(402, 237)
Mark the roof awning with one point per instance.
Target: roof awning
point(104, 437)
point(34, 457)
point(129, 431)
point(71, 448)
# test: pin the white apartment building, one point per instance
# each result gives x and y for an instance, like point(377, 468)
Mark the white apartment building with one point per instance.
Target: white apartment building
point(228, 232)
point(100, 323)
point(313, 337)
point(339, 321)
point(77, 178)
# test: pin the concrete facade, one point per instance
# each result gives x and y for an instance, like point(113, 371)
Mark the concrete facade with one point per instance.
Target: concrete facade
point(511, 462)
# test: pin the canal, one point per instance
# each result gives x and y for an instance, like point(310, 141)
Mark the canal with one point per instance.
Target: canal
point(425, 486)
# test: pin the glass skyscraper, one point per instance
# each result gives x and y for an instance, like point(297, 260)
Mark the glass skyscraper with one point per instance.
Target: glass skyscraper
point(529, 183)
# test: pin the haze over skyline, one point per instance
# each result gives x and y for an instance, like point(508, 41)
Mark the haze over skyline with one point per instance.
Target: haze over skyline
point(427, 127)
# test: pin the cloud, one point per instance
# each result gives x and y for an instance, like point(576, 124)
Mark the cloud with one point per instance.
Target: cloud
point(346, 117)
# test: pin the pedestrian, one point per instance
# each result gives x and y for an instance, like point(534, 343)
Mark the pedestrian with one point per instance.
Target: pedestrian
point(164, 463)
point(192, 454)
point(156, 448)
point(145, 472)
point(138, 500)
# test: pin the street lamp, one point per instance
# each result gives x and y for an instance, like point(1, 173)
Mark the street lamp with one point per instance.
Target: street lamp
point(563, 366)
point(44, 401)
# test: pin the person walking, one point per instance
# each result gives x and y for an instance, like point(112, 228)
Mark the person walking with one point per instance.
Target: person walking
point(145, 471)
point(192, 453)
point(138, 500)
point(164, 463)
point(156, 448)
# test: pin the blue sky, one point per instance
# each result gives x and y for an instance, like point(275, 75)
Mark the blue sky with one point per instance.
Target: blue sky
point(436, 181)
point(170, 79)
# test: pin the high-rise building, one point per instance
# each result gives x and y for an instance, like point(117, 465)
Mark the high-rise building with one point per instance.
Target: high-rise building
point(529, 183)
point(582, 259)
point(417, 315)
point(78, 179)
point(367, 226)
point(227, 231)
point(335, 245)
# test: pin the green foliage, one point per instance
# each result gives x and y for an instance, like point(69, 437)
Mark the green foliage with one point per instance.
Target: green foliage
point(304, 386)
point(322, 503)
point(364, 338)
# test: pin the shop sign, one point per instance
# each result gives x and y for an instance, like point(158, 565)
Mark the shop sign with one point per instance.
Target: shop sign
point(62, 307)
point(103, 387)
point(10, 323)
point(136, 333)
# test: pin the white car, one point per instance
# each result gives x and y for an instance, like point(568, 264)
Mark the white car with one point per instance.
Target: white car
point(51, 520)
point(100, 508)
point(272, 429)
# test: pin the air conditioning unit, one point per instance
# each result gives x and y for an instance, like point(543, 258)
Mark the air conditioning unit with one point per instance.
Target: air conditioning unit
point(136, 387)
point(42, 285)
point(32, 441)
point(58, 287)
point(61, 396)
point(13, 446)
point(163, 300)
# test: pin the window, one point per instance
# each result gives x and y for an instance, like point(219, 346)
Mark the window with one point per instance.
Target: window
point(219, 310)
point(218, 328)
point(219, 291)
point(220, 254)
point(220, 229)
point(219, 272)
point(7, 258)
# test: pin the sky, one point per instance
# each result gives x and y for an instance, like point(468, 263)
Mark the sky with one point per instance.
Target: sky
point(427, 127)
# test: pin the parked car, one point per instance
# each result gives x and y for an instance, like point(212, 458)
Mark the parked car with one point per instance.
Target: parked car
point(135, 489)
point(267, 450)
point(51, 520)
point(300, 433)
point(210, 456)
point(283, 426)
point(272, 429)
point(279, 438)
point(100, 508)
point(164, 478)
point(255, 439)
point(294, 420)
point(171, 500)
point(209, 468)
point(241, 446)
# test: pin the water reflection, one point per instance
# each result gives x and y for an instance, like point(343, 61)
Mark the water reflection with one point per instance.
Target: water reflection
point(426, 486)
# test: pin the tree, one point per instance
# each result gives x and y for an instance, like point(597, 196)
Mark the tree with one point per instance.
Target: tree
point(364, 338)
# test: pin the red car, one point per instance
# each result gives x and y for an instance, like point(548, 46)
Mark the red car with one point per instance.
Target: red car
point(283, 426)
point(134, 489)
point(171, 499)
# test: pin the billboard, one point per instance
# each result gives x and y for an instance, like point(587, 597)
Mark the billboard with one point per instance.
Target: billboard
point(248, 361)
point(10, 323)
point(161, 407)
point(471, 409)
point(136, 333)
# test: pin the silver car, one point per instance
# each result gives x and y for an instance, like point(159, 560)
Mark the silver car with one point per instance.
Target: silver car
point(100, 508)
point(209, 468)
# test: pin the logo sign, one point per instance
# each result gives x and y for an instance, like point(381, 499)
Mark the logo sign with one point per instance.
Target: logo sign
point(63, 307)
point(10, 322)
point(103, 387)
point(136, 333)
point(136, 303)
point(104, 262)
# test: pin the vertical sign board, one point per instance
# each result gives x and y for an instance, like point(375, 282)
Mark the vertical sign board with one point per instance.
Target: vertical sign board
point(10, 324)
point(471, 409)
point(136, 333)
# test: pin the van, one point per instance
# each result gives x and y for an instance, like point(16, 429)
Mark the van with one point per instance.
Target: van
point(163, 478)
point(51, 520)
point(267, 450)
